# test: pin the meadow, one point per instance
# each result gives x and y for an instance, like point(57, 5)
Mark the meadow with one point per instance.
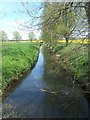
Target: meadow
point(17, 58)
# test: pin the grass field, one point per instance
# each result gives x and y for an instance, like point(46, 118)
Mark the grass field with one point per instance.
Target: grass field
point(16, 59)
point(85, 41)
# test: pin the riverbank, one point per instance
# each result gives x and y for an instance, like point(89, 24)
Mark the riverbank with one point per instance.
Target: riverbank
point(73, 58)
point(46, 86)
point(17, 59)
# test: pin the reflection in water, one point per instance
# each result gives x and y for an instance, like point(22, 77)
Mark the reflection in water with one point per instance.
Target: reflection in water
point(46, 93)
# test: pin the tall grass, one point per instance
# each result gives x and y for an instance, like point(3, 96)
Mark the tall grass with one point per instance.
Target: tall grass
point(17, 58)
point(75, 58)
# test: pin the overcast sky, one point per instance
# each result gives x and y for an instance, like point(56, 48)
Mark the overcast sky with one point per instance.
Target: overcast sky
point(9, 16)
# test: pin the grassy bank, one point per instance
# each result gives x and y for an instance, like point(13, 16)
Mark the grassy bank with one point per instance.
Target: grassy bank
point(17, 58)
point(74, 57)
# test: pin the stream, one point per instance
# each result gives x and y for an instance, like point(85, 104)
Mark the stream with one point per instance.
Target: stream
point(46, 92)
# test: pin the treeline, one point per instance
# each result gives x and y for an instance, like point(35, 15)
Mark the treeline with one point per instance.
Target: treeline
point(16, 36)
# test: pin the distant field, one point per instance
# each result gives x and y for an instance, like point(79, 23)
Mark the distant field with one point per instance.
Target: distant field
point(86, 41)
point(76, 41)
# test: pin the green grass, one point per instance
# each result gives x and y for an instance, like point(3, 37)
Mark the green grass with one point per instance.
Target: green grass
point(16, 59)
point(75, 58)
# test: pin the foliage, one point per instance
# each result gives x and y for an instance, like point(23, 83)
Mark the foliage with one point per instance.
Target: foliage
point(16, 59)
point(31, 36)
point(16, 35)
point(61, 21)
point(3, 36)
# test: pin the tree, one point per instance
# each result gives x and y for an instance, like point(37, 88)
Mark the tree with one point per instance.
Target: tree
point(59, 19)
point(48, 23)
point(31, 36)
point(68, 23)
point(16, 35)
point(3, 36)
point(87, 5)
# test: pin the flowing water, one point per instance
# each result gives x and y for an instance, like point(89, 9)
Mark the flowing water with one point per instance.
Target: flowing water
point(46, 92)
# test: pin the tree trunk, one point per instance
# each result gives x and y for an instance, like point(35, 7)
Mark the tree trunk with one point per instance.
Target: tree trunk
point(87, 5)
point(66, 41)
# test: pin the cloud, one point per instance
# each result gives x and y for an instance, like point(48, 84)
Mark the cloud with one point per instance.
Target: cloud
point(37, 33)
point(9, 26)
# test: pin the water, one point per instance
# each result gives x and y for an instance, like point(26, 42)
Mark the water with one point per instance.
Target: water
point(46, 92)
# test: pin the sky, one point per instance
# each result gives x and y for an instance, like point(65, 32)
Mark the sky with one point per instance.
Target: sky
point(10, 19)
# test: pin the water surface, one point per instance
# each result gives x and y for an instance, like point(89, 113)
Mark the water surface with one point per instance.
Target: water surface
point(46, 92)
